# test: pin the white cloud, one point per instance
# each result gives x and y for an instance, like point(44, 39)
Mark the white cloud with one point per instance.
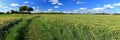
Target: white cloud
point(60, 4)
point(36, 11)
point(82, 8)
point(117, 9)
point(64, 11)
point(33, 7)
point(106, 10)
point(76, 11)
point(56, 6)
point(55, 2)
point(44, 11)
point(1, 6)
point(98, 10)
point(5, 7)
point(80, 2)
point(117, 4)
point(69, 12)
point(108, 6)
point(85, 10)
point(26, 2)
point(50, 10)
point(4, 10)
point(14, 4)
point(56, 11)
point(102, 9)
point(38, 7)
point(117, 12)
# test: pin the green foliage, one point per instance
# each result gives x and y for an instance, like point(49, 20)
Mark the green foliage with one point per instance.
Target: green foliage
point(17, 31)
point(77, 27)
point(101, 14)
point(8, 12)
point(2, 13)
point(65, 27)
point(29, 9)
point(23, 8)
point(13, 11)
point(13, 31)
point(116, 14)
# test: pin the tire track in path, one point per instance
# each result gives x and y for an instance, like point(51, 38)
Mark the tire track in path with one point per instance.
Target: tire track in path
point(34, 31)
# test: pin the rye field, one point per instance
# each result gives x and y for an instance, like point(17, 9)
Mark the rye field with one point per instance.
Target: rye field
point(59, 27)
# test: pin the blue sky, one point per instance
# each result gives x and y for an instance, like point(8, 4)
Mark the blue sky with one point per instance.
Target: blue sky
point(66, 6)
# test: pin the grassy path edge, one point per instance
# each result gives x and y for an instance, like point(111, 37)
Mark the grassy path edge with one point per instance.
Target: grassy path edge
point(32, 28)
point(34, 31)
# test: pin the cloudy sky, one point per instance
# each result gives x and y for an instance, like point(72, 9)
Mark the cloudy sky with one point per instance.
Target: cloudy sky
point(67, 6)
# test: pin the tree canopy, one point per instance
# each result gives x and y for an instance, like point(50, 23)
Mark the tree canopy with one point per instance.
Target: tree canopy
point(29, 9)
point(25, 8)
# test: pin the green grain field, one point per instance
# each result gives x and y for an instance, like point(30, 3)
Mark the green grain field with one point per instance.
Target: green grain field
point(59, 27)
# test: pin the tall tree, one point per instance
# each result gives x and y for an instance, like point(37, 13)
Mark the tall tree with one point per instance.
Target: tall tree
point(13, 11)
point(23, 8)
point(29, 9)
point(7, 12)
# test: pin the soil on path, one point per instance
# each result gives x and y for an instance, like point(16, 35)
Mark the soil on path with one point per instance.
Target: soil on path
point(34, 31)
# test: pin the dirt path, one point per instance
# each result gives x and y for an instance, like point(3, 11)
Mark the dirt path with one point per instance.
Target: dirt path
point(35, 35)
point(34, 31)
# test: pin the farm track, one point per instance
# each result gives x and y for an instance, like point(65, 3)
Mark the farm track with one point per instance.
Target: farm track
point(34, 31)
point(23, 30)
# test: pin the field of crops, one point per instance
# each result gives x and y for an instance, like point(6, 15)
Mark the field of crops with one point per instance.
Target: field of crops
point(5, 20)
point(62, 27)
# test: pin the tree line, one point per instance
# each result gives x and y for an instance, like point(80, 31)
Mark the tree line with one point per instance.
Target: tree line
point(22, 10)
